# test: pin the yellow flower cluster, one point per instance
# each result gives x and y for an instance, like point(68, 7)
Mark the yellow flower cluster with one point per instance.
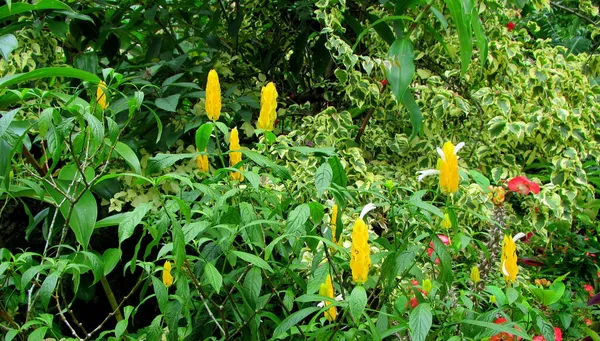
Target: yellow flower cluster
point(446, 223)
point(101, 95)
point(213, 96)
point(268, 107)
point(167, 278)
point(326, 289)
point(509, 266)
point(475, 276)
point(448, 167)
point(234, 155)
point(360, 261)
point(202, 162)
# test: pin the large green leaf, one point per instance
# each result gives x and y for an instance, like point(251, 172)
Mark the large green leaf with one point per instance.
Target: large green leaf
point(401, 69)
point(48, 72)
point(420, 321)
point(203, 136)
point(358, 301)
point(20, 7)
point(461, 10)
point(497, 328)
point(293, 320)
point(8, 43)
point(416, 119)
point(129, 156)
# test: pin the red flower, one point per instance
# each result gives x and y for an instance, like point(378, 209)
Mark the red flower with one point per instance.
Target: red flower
point(413, 302)
point(500, 320)
point(430, 250)
point(523, 185)
point(589, 289)
point(510, 26)
point(538, 338)
point(384, 82)
point(587, 321)
point(504, 336)
point(598, 273)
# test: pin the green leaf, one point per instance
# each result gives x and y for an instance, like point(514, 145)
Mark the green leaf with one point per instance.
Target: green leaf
point(161, 161)
point(416, 118)
point(129, 156)
point(203, 136)
point(178, 245)
point(297, 218)
point(293, 320)
point(48, 288)
point(168, 103)
point(213, 277)
point(162, 295)
point(420, 321)
point(461, 10)
point(480, 38)
point(500, 296)
point(262, 161)
point(323, 177)
point(39, 333)
point(252, 285)
point(497, 328)
point(545, 328)
point(401, 69)
point(110, 258)
point(339, 174)
point(48, 72)
point(20, 7)
point(131, 220)
point(358, 301)
point(95, 263)
point(8, 43)
point(480, 179)
point(253, 259)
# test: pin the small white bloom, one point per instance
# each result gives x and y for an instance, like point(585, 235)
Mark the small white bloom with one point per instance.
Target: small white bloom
point(368, 207)
point(427, 172)
point(458, 147)
point(518, 236)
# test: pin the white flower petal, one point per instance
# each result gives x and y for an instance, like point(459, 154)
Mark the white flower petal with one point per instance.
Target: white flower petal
point(339, 297)
point(368, 207)
point(441, 153)
point(458, 147)
point(427, 172)
point(504, 271)
point(518, 236)
point(321, 304)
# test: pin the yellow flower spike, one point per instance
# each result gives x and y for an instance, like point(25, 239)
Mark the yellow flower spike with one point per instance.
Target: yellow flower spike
point(360, 259)
point(234, 155)
point(334, 213)
point(167, 278)
point(508, 264)
point(202, 163)
point(268, 107)
point(492, 299)
point(213, 96)
point(426, 286)
point(475, 276)
point(447, 167)
point(446, 223)
point(101, 95)
point(326, 289)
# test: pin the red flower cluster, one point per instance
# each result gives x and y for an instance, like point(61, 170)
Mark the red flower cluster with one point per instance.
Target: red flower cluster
point(430, 250)
point(589, 289)
point(522, 185)
point(413, 300)
point(503, 336)
point(557, 335)
point(510, 26)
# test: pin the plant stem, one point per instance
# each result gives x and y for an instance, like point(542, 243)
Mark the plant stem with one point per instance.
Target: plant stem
point(111, 298)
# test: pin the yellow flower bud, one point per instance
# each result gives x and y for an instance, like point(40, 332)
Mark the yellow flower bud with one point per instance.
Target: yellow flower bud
point(448, 167)
point(202, 163)
point(326, 289)
point(493, 299)
point(508, 265)
point(167, 278)
point(101, 95)
point(234, 155)
point(268, 107)
point(426, 286)
point(360, 261)
point(446, 223)
point(475, 277)
point(334, 213)
point(213, 96)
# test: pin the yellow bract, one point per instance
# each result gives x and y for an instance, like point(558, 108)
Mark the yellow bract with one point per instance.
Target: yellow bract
point(334, 213)
point(475, 276)
point(508, 264)
point(446, 223)
point(234, 155)
point(448, 167)
point(427, 286)
point(213, 96)
point(202, 163)
point(268, 107)
point(360, 261)
point(101, 95)
point(326, 289)
point(167, 278)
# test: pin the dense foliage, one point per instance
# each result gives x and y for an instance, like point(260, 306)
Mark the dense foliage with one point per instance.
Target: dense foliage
point(315, 169)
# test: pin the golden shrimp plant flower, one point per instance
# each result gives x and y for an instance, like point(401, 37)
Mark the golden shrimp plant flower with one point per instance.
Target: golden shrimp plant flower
point(213, 96)
point(268, 107)
point(475, 275)
point(326, 289)
point(167, 278)
point(101, 95)
point(446, 223)
point(447, 167)
point(235, 156)
point(360, 259)
point(202, 162)
point(334, 213)
point(508, 259)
